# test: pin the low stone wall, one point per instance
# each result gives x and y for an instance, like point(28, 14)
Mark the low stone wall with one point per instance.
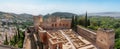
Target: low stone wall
point(25, 40)
point(29, 41)
point(87, 34)
point(8, 47)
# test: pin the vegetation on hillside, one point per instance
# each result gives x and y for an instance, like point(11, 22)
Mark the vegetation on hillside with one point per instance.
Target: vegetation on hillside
point(60, 14)
point(18, 39)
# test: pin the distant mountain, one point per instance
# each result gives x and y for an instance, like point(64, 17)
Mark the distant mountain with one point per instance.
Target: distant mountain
point(27, 17)
point(21, 17)
point(61, 14)
point(69, 15)
point(112, 14)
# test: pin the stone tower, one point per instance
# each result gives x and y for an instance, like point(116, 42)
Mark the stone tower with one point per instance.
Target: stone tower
point(37, 21)
point(105, 38)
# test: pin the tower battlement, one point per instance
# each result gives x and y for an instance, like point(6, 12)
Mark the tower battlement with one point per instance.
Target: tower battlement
point(106, 30)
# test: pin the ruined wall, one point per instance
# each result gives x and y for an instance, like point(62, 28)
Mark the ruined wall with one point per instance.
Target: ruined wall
point(87, 34)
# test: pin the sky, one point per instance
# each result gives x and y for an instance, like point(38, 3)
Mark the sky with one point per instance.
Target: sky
point(43, 7)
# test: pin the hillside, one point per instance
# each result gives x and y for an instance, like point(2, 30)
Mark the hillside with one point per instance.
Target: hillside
point(19, 17)
point(69, 15)
point(27, 17)
point(112, 14)
point(61, 14)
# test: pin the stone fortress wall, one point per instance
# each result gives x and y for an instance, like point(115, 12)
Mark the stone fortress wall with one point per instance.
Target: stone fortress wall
point(89, 35)
point(103, 38)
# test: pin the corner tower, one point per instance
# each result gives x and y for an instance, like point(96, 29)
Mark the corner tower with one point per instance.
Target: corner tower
point(105, 38)
point(37, 21)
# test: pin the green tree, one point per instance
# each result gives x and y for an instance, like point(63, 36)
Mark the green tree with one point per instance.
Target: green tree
point(117, 43)
point(72, 23)
point(82, 21)
point(117, 33)
point(99, 23)
point(86, 21)
point(6, 40)
point(18, 33)
point(76, 23)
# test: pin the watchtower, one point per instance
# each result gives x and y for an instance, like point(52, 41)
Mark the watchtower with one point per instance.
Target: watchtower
point(37, 22)
point(105, 38)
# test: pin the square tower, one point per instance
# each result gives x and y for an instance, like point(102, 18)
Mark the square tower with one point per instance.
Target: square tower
point(37, 21)
point(105, 38)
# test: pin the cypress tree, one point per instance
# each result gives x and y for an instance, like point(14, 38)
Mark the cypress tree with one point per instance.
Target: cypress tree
point(86, 20)
point(76, 23)
point(6, 40)
point(18, 33)
point(72, 23)
point(76, 18)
